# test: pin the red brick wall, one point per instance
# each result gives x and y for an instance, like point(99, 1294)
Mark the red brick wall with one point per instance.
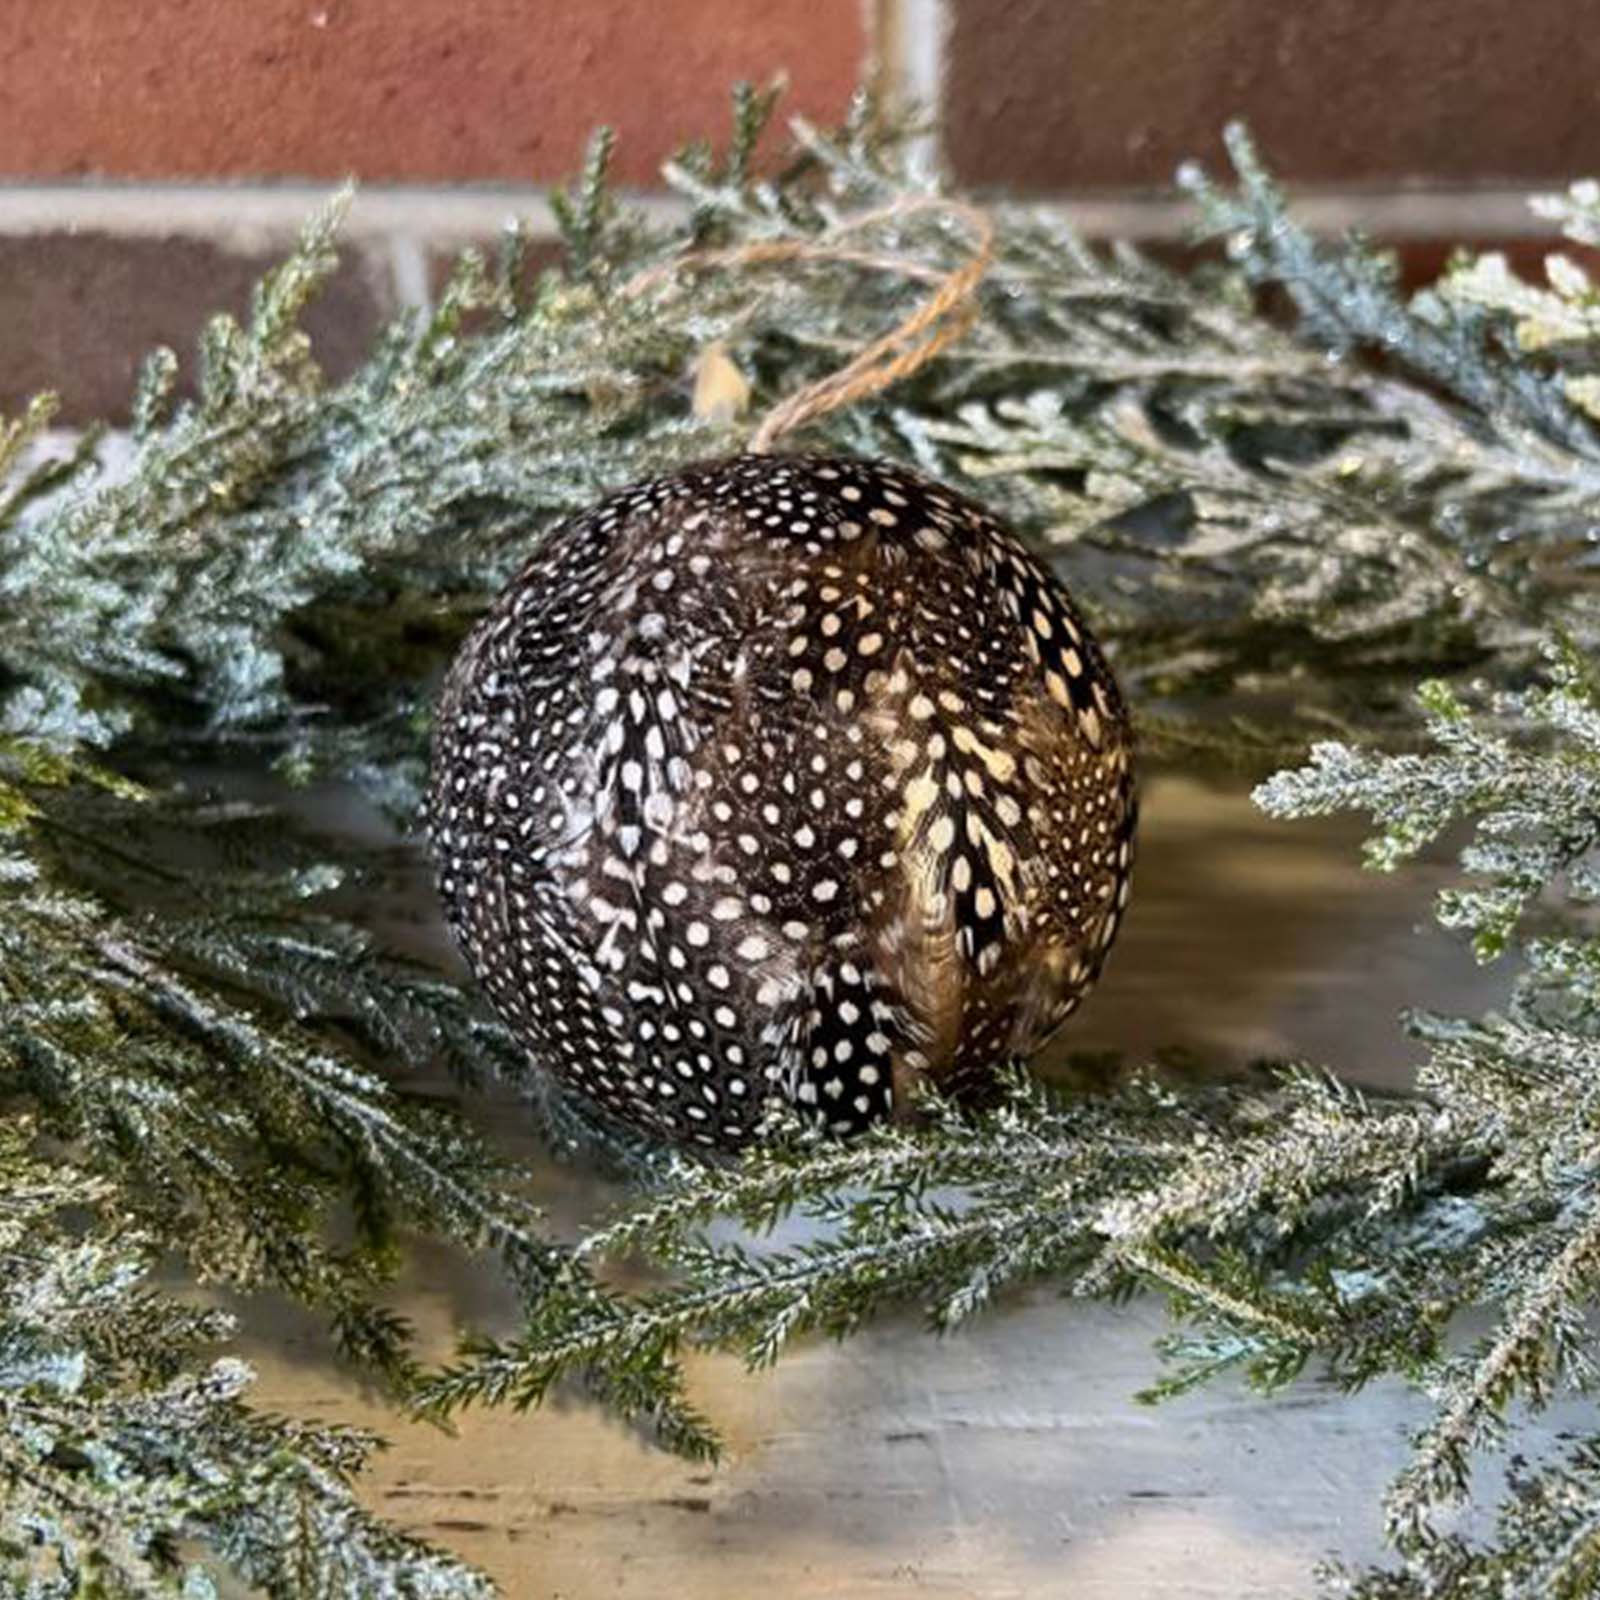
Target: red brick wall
point(1041, 94)
point(1060, 98)
point(1052, 94)
point(435, 91)
point(256, 92)
point(416, 90)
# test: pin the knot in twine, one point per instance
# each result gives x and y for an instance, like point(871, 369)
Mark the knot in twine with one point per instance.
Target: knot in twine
point(941, 319)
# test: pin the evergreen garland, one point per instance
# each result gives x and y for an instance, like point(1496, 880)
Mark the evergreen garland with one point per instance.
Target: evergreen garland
point(198, 1053)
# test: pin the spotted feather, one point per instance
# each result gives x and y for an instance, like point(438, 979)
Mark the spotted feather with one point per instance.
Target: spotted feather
point(782, 782)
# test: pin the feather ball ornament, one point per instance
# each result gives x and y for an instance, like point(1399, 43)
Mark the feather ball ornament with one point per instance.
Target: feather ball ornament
point(782, 781)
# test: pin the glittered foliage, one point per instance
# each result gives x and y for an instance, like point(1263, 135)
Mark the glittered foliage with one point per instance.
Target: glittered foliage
point(1284, 493)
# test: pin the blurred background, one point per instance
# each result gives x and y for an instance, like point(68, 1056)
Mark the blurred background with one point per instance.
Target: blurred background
point(153, 157)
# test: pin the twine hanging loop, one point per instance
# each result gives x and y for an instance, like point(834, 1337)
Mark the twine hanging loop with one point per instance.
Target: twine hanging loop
point(934, 325)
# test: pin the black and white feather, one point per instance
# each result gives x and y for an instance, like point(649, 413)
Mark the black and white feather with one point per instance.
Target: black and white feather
point(781, 780)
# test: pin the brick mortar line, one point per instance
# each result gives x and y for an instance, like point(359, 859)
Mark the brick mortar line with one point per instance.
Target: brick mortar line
point(251, 217)
point(909, 41)
point(1397, 212)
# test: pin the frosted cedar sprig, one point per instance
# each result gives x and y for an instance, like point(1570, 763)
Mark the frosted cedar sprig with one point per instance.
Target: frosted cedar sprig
point(270, 572)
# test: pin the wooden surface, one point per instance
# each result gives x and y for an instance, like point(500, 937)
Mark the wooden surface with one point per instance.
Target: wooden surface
point(1010, 1459)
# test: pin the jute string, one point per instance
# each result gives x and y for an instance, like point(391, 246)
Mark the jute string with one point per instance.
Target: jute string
point(940, 320)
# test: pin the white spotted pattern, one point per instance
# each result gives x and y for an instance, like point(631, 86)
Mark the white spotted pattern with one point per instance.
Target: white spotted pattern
point(781, 780)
